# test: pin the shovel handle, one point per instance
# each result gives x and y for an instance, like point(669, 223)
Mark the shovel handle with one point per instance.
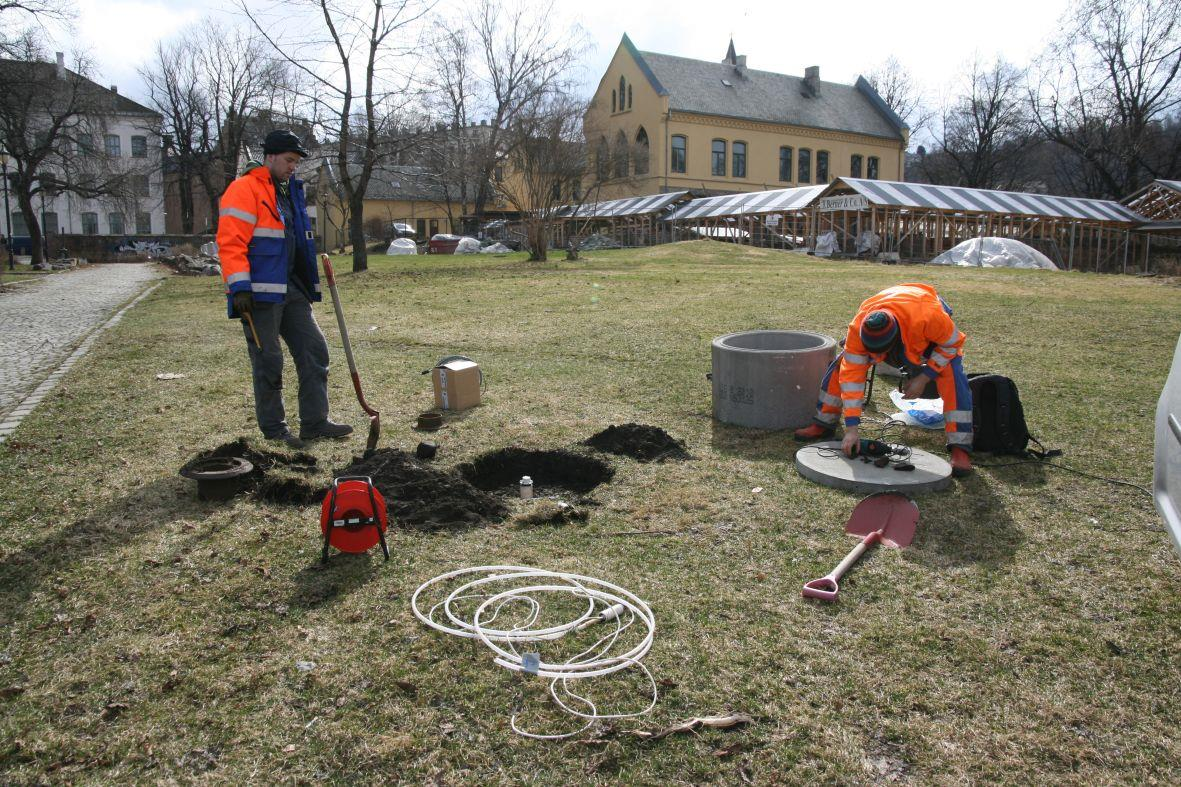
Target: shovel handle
point(374, 416)
point(827, 587)
point(250, 322)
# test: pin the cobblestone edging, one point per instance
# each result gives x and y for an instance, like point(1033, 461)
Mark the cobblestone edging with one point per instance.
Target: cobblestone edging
point(12, 420)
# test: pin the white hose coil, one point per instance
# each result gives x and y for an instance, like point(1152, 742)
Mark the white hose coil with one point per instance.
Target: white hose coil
point(606, 603)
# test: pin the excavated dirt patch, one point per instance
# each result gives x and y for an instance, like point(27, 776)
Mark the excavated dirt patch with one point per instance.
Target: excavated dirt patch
point(262, 459)
point(640, 442)
point(269, 480)
point(551, 471)
point(423, 497)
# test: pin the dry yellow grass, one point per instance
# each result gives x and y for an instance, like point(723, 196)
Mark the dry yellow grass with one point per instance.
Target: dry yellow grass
point(1032, 633)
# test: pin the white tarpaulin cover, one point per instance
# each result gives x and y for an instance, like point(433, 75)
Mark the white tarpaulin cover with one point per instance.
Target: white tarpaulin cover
point(868, 243)
point(467, 245)
point(994, 253)
point(826, 244)
point(402, 246)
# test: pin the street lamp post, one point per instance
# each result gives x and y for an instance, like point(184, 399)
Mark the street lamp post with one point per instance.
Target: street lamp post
point(51, 192)
point(7, 213)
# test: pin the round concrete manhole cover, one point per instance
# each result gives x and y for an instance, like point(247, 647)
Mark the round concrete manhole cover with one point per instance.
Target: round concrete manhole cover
point(826, 465)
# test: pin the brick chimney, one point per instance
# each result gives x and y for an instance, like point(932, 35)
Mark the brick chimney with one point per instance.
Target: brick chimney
point(61, 64)
point(115, 89)
point(812, 80)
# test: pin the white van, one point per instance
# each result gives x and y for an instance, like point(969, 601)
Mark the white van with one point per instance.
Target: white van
point(1166, 481)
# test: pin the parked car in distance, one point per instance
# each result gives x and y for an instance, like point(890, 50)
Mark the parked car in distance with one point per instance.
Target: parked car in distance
point(400, 230)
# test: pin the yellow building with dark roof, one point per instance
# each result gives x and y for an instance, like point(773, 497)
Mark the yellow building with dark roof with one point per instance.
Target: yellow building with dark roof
point(662, 123)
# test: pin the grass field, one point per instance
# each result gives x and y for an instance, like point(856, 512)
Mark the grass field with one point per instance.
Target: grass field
point(1031, 633)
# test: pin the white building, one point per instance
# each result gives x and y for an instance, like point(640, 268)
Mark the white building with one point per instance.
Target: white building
point(124, 140)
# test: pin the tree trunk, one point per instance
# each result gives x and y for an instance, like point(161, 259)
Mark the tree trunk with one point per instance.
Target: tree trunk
point(185, 186)
point(357, 233)
point(35, 239)
point(537, 242)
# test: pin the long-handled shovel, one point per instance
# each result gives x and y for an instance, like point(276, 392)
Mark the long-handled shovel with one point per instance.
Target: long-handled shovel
point(888, 518)
point(374, 416)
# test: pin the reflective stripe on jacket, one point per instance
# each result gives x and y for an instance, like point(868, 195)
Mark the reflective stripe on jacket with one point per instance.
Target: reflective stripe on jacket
point(929, 339)
point(251, 239)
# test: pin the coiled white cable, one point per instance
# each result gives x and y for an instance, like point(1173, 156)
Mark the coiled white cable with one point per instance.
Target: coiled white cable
point(606, 603)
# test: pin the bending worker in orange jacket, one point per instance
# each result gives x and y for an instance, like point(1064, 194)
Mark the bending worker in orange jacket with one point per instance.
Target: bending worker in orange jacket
point(268, 262)
point(908, 326)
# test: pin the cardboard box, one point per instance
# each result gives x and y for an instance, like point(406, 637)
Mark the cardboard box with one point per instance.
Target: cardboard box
point(457, 385)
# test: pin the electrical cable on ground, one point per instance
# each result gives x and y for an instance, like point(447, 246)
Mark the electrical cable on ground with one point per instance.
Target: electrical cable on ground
point(1044, 463)
point(881, 428)
point(606, 603)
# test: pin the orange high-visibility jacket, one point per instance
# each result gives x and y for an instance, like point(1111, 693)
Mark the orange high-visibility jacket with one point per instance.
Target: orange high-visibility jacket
point(928, 335)
point(251, 241)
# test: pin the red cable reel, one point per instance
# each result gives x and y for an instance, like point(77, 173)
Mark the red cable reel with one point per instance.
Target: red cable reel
point(353, 517)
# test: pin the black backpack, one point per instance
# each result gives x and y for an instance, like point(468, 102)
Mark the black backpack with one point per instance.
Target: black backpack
point(998, 419)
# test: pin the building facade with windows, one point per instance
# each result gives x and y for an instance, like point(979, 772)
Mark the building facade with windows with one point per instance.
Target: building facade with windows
point(660, 123)
point(113, 149)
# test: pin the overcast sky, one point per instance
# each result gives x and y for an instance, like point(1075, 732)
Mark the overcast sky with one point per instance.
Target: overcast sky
point(933, 39)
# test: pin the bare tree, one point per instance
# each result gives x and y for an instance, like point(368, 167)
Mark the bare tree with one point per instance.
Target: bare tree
point(902, 94)
point(15, 14)
point(177, 89)
point(50, 117)
point(546, 163)
point(525, 62)
point(1105, 91)
point(363, 85)
point(985, 134)
point(454, 156)
point(243, 80)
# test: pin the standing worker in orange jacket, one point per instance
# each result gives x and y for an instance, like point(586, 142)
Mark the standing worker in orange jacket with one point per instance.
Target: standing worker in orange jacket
point(268, 262)
point(908, 326)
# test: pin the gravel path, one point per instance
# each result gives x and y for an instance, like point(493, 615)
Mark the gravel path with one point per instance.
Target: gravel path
point(42, 322)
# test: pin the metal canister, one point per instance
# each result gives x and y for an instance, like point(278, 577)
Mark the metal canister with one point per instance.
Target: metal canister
point(526, 487)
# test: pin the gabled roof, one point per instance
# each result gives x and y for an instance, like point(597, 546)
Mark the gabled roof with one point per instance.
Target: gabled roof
point(100, 97)
point(408, 183)
point(396, 182)
point(628, 206)
point(1160, 199)
point(727, 90)
point(958, 198)
point(644, 68)
point(748, 204)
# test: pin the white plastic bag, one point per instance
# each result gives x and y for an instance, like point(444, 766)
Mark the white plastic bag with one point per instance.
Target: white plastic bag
point(927, 413)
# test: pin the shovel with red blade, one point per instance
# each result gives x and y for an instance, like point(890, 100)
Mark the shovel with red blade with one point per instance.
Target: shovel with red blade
point(888, 518)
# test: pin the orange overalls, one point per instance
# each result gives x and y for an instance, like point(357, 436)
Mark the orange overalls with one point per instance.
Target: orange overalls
point(929, 344)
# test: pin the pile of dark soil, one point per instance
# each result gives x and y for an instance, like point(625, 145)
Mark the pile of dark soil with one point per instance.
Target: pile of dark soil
point(268, 480)
point(262, 459)
point(501, 471)
point(422, 497)
point(293, 491)
point(640, 442)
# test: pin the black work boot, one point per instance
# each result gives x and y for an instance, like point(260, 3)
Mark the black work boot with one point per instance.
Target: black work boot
point(287, 437)
point(325, 429)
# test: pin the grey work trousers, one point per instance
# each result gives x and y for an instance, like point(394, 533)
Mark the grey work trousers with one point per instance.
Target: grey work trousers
point(293, 321)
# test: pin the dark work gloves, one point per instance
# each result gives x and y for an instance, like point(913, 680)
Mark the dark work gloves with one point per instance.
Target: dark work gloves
point(243, 303)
